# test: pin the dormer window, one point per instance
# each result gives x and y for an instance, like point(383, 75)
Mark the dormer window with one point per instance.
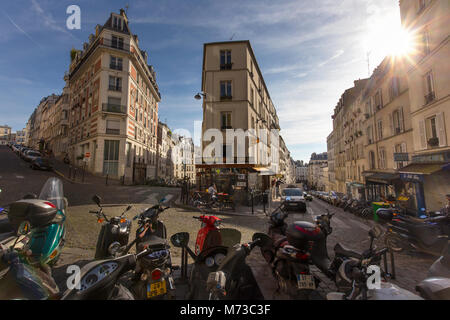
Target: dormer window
point(117, 23)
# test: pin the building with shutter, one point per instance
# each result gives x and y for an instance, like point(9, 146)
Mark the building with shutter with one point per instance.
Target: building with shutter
point(114, 104)
point(428, 175)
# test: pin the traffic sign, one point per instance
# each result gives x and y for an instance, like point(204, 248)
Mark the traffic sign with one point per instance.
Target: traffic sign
point(87, 154)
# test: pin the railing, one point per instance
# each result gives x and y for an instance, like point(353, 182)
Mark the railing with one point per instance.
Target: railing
point(115, 44)
point(114, 88)
point(115, 66)
point(114, 108)
point(430, 97)
point(226, 97)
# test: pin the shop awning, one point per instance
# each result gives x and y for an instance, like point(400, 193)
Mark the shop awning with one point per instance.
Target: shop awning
point(264, 171)
point(382, 177)
point(420, 168)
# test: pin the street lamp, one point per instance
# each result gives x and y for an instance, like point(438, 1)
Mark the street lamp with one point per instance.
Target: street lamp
point(199, 95)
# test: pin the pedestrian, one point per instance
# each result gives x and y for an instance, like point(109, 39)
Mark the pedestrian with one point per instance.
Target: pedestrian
point(278, 183)
point(212, 190)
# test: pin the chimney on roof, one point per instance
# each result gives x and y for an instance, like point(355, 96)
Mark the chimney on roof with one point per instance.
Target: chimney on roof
point(136, 39)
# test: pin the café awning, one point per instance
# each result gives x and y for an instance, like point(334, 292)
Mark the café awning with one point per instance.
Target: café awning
point(382, 177)
point(420, 168)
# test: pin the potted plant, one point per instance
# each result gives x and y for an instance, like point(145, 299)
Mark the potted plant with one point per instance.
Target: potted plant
point(433, 142)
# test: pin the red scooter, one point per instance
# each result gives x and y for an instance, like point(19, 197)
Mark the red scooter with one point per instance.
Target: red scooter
point(208, 236)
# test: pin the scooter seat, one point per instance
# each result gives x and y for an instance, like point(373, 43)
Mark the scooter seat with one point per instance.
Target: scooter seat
point(339, 249)
point(153, 242)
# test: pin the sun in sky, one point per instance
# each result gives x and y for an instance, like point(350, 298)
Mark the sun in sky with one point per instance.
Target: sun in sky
point(385, 36)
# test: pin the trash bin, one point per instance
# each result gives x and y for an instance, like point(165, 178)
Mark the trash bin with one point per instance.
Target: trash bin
point(376, 206)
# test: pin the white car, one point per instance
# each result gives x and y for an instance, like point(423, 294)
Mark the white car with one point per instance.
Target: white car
point(294, 199)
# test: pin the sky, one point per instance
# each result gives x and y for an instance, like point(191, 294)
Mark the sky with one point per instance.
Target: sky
point(309, 52)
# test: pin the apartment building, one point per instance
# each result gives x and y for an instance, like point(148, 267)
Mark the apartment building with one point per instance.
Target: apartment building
point(301, 173)
point(41, 124)
point(388, 128)
point(316, 166)
point(345, 141)
point(331, 155)
point(114, 104)
point(59, 140)
point(428, 175)
point(164, 162)
point(5, 132)
point(235, 96)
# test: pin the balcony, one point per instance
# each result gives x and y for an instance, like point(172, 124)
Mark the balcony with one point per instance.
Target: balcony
point(115, 44)
point(114, 88)
point(226, 98)
point(114, 108)
point(430, 97)
point(226, 66)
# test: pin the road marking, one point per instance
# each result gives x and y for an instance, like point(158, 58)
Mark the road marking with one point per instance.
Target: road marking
point(310, 211)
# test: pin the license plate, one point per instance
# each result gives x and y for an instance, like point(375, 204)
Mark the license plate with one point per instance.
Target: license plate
point(156, 289)
point(306, 281)
point(292, 204)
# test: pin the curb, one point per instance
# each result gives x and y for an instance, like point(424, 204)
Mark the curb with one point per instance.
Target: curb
point(224, 213)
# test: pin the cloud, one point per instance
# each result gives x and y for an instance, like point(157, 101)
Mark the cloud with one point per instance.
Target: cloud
point(337, 55)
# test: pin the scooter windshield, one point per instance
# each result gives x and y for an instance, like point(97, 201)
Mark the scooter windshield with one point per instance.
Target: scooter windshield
point(230, 237)
point(53, 192)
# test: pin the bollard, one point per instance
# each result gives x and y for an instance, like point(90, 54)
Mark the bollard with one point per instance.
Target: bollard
point(106, 183)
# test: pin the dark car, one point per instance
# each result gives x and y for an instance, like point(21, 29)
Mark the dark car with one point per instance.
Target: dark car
point(41, 163)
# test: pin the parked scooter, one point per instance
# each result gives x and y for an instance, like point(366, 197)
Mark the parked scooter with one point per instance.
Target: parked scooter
point(352, 275)
point(209, 235)
point(437, 284)
point(428, 234)
point(47, 217)
point(116, 229)
point(208, 259)
point(234, 279)
point(20, 280)
point(289, 254)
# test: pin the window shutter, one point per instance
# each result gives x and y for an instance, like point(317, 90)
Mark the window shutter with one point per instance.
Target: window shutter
point(392, 124)
point(441, 130)
point(393, 157)
point(422, 133)
point(402, 121)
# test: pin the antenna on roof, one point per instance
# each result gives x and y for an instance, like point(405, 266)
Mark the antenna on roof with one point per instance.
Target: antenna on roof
point(368, 62)
point(232, 36)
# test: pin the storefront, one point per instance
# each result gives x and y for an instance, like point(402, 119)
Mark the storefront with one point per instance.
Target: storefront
point(427, 184)
point(356, 190)
point(381, 186)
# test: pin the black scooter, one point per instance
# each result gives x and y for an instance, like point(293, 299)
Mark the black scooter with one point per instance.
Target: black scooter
point(234, 279)
point(427, 235)
point(289, 254)
point(116, 229)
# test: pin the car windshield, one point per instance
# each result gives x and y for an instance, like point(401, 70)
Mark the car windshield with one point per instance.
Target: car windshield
point(53, 192)
point(292, 192)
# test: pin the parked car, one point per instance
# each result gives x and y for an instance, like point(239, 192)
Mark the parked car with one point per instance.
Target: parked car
point(41, 163)
point(30, 155)
point(294, 199)
point(307, 196)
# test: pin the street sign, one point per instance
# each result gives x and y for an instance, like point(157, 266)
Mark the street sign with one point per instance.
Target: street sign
point(87, 154)
point(401, 157)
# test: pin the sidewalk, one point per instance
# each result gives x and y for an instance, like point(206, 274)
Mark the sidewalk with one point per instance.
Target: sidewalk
point(75, 174)
point(240, 210)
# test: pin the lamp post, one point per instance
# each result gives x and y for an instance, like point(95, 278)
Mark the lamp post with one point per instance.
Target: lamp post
point(199, 95)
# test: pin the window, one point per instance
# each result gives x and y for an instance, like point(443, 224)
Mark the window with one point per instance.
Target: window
point(115, 63)
point(227, 151)
point(117, 23)
point(397, 122)
point(380, 129)
point(225, 60)
point(425, 42)
point(225, 120)
point(369, 135)
point(225, 90)
point(113, 127)
point(115, 83)
point(378, 100)
point(394, 89)
point(429, 88)
point(382, 158)
point(400, 148)
point(111, 157)
point(117, 42)
point(252, 96)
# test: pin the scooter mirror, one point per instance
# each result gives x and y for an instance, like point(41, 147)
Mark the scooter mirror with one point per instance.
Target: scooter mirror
point(97, 199)
point(180, 239)
point(264, 239)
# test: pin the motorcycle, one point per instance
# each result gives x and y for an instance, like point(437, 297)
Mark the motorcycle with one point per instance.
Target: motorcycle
point(353, 271)
point(234, 279)
point(48, 221)
point(116, 229)
point(426, 234)
point(437, 284)
point(207, 259)
point(289, 254)
point(152, 277)
point(20, 280)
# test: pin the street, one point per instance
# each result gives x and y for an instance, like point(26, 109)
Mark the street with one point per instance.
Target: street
point(17, 179)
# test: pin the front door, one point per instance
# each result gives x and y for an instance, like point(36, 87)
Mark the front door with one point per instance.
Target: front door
point(111, 157)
